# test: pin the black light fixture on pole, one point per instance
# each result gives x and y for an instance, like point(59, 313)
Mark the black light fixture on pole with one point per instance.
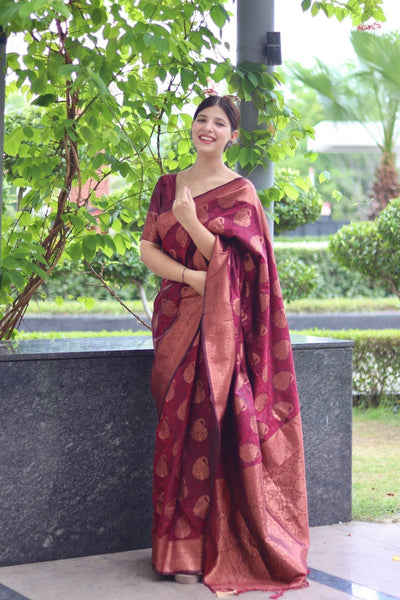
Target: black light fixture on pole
point(3, 41)
point(257, 42)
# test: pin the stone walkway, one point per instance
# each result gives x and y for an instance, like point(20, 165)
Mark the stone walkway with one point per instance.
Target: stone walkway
point(353, 560)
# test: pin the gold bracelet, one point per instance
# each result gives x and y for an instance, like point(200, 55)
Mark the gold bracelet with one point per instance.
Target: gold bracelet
point(183, 272)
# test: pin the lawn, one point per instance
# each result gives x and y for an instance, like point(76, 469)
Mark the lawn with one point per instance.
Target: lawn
point(376, 465)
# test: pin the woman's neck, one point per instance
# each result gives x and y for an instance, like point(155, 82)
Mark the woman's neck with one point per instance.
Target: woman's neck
point(205, 167)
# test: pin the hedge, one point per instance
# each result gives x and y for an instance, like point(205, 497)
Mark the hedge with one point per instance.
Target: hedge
point(332, 280)
point(376, 362)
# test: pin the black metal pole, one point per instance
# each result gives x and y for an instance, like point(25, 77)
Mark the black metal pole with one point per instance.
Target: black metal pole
point(254, 19)
point(3, 41)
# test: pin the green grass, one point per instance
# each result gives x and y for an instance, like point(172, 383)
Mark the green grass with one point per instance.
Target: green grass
point(50, 335)
point(332, 305)
point(74, 307)
point(376, 465)
point(307, 305)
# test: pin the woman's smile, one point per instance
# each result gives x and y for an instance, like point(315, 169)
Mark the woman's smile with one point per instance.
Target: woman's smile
point(207, 139)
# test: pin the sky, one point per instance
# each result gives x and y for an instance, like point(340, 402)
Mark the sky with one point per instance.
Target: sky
point(303, 37)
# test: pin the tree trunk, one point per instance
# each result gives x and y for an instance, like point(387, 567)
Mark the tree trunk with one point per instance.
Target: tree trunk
point(386, 186)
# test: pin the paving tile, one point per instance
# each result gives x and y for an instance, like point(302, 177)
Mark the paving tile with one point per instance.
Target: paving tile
point(358, 553)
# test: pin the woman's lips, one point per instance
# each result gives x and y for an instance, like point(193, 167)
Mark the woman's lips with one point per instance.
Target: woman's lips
point(206, 139)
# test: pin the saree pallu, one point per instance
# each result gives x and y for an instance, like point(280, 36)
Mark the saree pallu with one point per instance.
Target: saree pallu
point(229, 482)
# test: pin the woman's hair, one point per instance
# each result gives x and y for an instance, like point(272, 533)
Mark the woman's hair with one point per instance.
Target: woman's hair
point(228, 106)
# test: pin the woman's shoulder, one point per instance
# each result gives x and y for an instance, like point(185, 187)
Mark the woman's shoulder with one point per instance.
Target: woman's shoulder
point(167, 179)
point(247, 183)
point(166, 184)
point(248, 189)
point(163, 193)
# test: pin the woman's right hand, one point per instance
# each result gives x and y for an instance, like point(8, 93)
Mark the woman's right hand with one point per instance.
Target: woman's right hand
point(196, 280)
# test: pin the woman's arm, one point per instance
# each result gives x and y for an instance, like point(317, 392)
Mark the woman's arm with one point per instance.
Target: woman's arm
point(163, 265)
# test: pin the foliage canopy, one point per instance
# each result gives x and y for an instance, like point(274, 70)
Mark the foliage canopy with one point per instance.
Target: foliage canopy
point(110, 81)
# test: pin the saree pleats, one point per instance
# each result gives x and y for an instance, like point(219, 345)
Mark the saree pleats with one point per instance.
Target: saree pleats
point(229, 481)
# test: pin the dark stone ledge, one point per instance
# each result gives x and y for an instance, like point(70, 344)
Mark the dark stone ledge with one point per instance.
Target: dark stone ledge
point(59, 348)
point(78, 424)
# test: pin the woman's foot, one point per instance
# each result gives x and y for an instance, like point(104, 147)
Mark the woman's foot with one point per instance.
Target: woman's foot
point(187, 578)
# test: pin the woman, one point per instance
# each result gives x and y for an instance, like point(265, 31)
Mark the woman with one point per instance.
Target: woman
point(229, 486)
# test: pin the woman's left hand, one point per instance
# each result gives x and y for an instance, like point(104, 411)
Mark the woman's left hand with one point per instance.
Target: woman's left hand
point(184, 208)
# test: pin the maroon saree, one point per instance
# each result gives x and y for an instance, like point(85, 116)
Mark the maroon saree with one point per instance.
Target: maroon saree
point(229, 484)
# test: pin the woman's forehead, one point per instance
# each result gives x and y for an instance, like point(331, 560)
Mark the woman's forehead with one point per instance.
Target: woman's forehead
point(215, 112)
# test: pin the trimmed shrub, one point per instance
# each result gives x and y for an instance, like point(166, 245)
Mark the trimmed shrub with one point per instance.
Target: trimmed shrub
point(376, 362)
point(332, 280)
point(372, 248)
point(297, 279)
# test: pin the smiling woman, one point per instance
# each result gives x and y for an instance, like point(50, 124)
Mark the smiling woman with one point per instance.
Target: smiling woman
point(229, 491)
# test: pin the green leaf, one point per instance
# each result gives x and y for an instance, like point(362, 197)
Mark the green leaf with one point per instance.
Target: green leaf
point(66, 70)
point(291, 192)
point(88, 252)
point(219, 15)
point(161, 44)
point(89, 303)
point(315, 8)
point(44, 100)
point(97, 16)
point(39, 271)
point(90, 241)
point(221, 71)
point(119, 244)
point(324, 176)
point(60, 7)
point(75, 251)
point(25, 218)
point(112, 136)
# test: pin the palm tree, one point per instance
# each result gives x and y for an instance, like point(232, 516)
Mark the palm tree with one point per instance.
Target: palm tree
point(366, 93)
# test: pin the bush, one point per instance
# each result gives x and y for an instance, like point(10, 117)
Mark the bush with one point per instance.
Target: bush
point(297, 279)
point(122, 273)
point(372, 248)
point(332, 280)
point(376, 362)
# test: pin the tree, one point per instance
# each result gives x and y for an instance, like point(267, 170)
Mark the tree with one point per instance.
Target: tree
point(358, 10)
point(110, 80)
point(367, 93)
point(350, 172)
point(97, 71)
point(372, 248)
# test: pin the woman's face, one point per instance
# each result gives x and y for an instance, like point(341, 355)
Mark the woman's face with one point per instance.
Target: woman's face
point(211, 130)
